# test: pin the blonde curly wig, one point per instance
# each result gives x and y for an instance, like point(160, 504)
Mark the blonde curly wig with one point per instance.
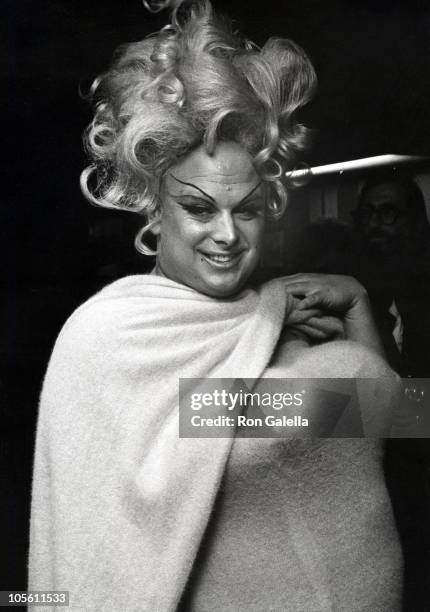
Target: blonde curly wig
point(195, 81)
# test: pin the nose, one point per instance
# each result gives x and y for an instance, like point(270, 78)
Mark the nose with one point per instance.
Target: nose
point(374, 220)
point(224, 231)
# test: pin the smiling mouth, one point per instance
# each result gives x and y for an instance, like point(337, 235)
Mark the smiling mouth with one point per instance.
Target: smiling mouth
point(222, 261)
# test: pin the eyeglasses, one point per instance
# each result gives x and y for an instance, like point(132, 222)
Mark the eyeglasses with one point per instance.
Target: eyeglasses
point(386, 214)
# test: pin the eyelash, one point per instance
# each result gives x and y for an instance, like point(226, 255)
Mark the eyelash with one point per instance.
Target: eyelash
point(196, 209)
point(200, 211)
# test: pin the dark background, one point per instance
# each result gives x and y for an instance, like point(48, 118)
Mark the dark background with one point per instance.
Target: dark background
point(373, 64)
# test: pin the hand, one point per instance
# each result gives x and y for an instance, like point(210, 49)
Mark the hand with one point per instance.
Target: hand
point(324, 296)
point(322, 328)
point(330, 294)
point(314, 323)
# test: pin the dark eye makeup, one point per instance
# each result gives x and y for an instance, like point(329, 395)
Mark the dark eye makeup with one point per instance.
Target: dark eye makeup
point(202, 208)
point(251, 209)
point(198, 208)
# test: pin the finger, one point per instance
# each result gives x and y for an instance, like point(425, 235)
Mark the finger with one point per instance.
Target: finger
point(302, 276)
point(312, 333)
point(326, 321)
point(299, 316)
point(302, 288)
point(326, 324)
point(311, 300)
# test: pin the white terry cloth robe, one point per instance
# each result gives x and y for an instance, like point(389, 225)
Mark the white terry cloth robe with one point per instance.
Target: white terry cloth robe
point(120, 503)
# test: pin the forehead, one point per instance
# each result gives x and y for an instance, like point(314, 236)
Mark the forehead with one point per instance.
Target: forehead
point(230, 165)
point(385, 193)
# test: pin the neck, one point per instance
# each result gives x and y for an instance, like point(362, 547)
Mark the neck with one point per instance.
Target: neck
point(158, 269)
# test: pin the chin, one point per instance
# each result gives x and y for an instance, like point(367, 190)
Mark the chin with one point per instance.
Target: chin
point(223, 289)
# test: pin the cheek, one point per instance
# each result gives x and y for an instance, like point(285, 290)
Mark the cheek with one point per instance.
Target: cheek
point(405, 229)
point(254, 234)
point(394, 231)
point(178, 233)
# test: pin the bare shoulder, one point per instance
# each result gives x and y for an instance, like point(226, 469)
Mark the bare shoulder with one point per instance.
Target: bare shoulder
point(345, 358)
point(377, 386)
point(336, 359)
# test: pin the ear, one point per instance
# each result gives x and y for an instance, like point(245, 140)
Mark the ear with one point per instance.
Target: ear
point(154, 222)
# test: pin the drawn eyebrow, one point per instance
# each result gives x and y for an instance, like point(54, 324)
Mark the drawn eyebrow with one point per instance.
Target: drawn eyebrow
point(195, 187)
point(249, 194)
point(210, 197)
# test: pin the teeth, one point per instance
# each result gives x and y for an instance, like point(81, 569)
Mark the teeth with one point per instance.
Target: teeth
point(220, 258)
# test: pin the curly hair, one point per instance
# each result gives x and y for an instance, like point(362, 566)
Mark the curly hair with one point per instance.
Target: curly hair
point(194, 82)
